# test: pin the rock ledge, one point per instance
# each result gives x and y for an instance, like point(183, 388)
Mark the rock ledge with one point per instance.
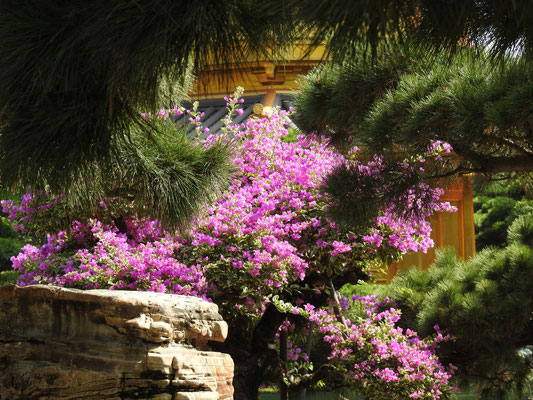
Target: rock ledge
point(58, 343)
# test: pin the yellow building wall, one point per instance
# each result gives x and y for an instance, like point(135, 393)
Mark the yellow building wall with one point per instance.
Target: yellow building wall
point(455, 230)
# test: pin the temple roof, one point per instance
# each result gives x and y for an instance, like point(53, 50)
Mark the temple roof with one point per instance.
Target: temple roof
point(215, 110)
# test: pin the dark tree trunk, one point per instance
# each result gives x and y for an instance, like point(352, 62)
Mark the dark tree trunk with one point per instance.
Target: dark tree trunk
point(283, 389)
point(258, 361)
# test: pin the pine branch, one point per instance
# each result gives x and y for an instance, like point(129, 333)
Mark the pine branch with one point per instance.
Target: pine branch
point(482, 111)
point(460, 170)
point(445, 26)
point(75, 76)
point(491, 165)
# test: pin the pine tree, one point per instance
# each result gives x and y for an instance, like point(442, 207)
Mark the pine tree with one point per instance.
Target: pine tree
point(486, 303)
point(75, 77)
point(484, 111)
point(444, 25)
point(402, 102)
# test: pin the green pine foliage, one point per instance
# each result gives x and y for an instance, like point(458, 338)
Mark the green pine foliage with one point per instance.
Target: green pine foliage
point(168, 176)
point(403, 101)
point(494, 215)
point(9, 245)
point(334, 98)
point(446, 25)
point(496, 205)
point(6, 230)
point(486, 303)
point(353, 208)
point(76, 75)
point(517, 187)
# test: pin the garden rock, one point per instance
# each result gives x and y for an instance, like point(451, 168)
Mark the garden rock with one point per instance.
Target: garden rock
point(58, 343)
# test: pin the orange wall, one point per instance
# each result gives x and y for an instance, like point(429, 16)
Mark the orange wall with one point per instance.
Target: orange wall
point(449, 230)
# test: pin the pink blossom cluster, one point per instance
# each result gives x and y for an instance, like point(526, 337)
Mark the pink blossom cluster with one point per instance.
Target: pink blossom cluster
point(22, 214)
point(438, 148)
point(268, 231)
point(377, 357)
point(112, 261)
point(411, 233)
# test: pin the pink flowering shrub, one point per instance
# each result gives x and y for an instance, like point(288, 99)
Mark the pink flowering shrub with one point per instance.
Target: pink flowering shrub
point(266, 237)
point(267, 231)
point(376, 356)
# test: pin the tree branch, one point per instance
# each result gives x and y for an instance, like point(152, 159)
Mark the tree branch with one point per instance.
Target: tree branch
point(506, 164)
point(460, 170)
point(494, 164)
point(326, 371)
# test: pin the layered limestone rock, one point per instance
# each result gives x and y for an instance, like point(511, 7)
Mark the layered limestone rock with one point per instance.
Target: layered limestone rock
point(58, 343)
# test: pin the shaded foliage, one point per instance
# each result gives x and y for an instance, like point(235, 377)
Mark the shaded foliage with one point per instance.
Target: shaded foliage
point(517, 187)
point(496, 205)
point(8, 277)
point(445, 25)
point(357, 198)
point(9, 247)
point(494, 215)
point(76, 75)
point(169, 175)
point(10, 244)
